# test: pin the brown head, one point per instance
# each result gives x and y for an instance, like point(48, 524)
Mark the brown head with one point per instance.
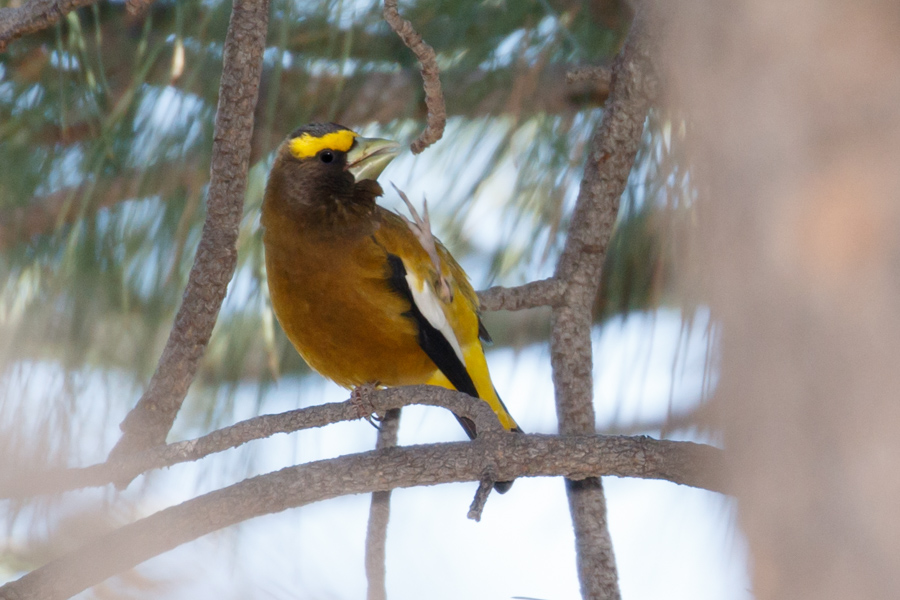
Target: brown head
point(324, 174)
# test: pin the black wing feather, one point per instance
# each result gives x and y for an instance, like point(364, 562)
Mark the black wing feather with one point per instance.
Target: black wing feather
point(432, 341)
point(483, 332)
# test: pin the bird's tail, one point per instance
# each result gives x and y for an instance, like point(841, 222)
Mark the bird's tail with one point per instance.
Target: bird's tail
point(496, 404)
point(493, 400)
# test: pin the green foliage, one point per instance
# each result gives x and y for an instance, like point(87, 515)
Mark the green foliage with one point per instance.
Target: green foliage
point(106, 124)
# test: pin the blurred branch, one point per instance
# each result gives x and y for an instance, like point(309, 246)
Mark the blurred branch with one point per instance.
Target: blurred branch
point(44, 214)
point(434, 98)
point(361, 99)
point(576, 457)
point(368, 97)
point(613, 149)
point(149, 422)
point(33, 16)
point(136, 7)
point(600, 75)
point(379, 515)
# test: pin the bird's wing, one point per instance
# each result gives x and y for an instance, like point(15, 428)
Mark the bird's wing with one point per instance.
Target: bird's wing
point(437, 336)
point(448, 327)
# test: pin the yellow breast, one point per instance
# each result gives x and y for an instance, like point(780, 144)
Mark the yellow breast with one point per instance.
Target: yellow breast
point(333, 299)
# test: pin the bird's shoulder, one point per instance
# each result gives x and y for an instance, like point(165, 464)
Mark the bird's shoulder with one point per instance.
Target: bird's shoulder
point(393, 234)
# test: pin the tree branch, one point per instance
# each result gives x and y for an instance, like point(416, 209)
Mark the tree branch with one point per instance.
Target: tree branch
point(576, 458)
point(599, 75)
point(379, 514)
point(434, 98)
point(545, 292)
point(128, 467)
point(150, 421)
point(33, 16)
point(612, 152)
point(485, 486)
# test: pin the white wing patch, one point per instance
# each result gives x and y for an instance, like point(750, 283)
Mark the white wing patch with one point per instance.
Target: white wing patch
point(430, 306)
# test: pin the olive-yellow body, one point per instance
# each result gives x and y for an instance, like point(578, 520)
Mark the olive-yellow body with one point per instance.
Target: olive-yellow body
point(352, 285)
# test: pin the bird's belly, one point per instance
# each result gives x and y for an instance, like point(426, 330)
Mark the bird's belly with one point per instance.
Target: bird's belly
point(346, 322)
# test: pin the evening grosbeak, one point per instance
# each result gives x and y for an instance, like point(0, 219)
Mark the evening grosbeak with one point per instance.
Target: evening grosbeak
point(357, 289)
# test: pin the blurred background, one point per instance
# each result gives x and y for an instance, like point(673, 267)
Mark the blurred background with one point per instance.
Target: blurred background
point(106, 125)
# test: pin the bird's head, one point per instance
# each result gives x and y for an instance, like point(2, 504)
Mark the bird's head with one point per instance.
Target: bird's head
point(327, 167)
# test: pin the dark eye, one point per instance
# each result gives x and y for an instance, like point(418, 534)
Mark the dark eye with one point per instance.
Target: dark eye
point(326, 156)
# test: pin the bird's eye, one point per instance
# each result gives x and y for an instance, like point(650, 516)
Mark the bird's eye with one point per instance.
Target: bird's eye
point(326, 156)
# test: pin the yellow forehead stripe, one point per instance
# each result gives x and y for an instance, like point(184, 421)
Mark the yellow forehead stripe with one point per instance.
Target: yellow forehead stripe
point(306, 145)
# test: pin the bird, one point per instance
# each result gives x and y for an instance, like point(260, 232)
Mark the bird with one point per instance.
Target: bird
point(366, 296)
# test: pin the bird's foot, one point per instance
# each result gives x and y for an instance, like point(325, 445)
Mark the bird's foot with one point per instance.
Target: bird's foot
point(361, 398)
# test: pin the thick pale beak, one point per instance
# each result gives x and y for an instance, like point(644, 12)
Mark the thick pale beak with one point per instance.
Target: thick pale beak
point(369, 156)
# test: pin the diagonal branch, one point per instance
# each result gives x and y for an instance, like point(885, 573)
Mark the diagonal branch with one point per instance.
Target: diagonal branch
point(150, 421)
point(613, 149)
point(18, 485)
point(33, 16)
point(514, 456)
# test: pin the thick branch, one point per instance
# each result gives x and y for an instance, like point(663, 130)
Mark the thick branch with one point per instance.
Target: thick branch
point(613, 149)
point(149, 422)
point(513, 456)
point(612, 152)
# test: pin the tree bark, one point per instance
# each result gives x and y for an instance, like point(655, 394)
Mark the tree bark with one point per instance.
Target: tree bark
point(612, 152)
point(513, 455)
point(379, 515)
point(148, 424)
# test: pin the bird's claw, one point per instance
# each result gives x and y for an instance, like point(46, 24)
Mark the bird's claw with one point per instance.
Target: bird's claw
point(361, 399)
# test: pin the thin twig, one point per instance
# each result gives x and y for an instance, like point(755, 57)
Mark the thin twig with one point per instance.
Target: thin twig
point(485, 485)
point(379, 515)
point(148, 424)
point(613, 149)
point(545, 292)
point(576, 457)
point(431, 80)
